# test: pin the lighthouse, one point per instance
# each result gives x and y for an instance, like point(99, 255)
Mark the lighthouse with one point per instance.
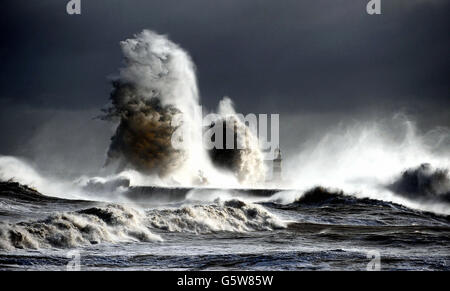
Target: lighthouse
point(276, 166)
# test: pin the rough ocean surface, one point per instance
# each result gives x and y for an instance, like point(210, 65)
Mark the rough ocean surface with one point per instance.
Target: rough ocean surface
point(320, 230)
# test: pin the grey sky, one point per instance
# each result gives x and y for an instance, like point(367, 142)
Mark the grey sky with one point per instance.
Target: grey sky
point(313, 57)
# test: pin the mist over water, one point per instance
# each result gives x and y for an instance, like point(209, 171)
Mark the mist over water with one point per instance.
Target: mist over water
point(363, 160)
point(366, 157)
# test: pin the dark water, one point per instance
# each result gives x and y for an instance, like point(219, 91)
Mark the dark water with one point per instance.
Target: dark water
point(320, 231)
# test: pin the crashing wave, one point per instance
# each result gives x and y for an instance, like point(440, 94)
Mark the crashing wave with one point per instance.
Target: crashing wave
point(157, 84)
point(155, 101)
point(321, 195)
point(244, 158)
point(14, 190)
point(111, 223)
point(423, 182)
point(228, 216)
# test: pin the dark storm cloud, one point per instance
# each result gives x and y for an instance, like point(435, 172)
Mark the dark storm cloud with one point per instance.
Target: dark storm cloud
point(287, 56)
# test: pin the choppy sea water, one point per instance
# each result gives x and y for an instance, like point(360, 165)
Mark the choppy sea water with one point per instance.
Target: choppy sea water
point(322, 230)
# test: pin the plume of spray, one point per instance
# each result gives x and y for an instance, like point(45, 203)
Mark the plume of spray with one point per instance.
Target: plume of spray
point(366, 158)
point(155, 96)
point(244, 158)
point(157, 84)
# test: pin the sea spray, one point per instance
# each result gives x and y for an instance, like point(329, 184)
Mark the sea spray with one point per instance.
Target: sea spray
point(157, 83)
point(363, 158)
point(154, 98)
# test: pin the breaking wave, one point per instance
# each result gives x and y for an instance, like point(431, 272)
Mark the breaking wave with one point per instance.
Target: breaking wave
point(16, 191)
point(112, 223)
point(228, 216)
point(423, 183)
point(419, 189)
point(319, 196)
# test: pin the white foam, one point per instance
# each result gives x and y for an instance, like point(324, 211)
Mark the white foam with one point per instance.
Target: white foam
point(112, 223)
point(228, 216)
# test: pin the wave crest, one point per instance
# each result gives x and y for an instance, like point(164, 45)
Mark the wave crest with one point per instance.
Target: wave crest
point(112, 223)
point(228, 216)
point(423, 182)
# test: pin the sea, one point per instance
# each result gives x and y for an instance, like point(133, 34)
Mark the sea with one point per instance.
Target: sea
point(321, 229)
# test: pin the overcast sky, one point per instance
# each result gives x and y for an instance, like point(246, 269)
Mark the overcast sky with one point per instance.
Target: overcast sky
point(293, 57)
